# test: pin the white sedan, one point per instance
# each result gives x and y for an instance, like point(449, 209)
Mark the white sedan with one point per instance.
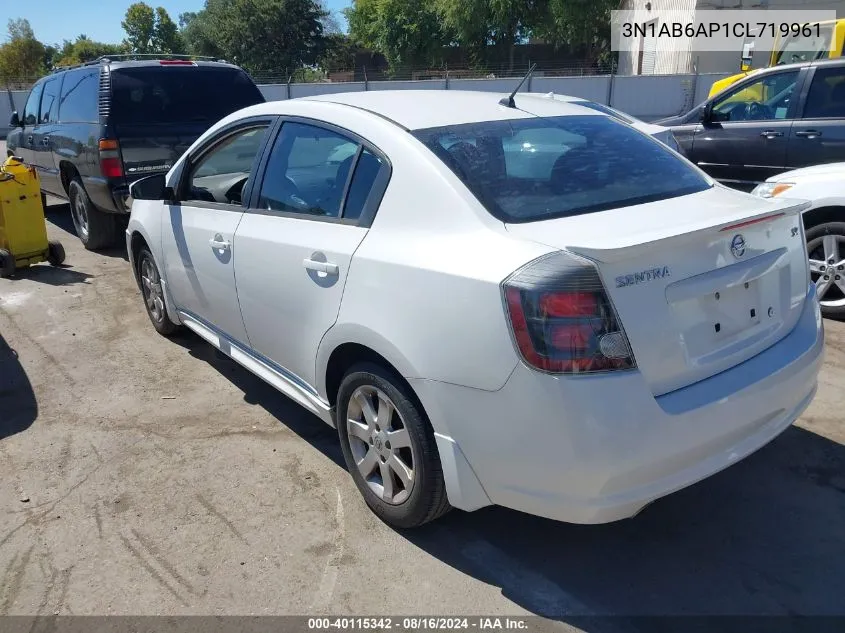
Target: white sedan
point(824, 223)
point(571, 334)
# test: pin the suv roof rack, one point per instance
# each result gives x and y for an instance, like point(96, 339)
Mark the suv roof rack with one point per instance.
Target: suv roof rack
point(138, 57)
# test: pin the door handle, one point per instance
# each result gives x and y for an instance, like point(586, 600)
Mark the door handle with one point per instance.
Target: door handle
point(320, 267)
point(218, 243)
point(770, 134)
point(29, 140)
point(45, 141)
point(808, 133)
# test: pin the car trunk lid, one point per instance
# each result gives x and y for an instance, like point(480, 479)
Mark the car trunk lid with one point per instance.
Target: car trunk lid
point(700, 282)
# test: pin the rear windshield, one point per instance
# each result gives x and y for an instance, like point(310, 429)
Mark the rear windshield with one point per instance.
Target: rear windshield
point(162, 94)
point(537, 169)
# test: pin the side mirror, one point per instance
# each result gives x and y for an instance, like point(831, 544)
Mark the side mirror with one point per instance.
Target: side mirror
point(15, 120)
point(707, 113)
point(151, 188)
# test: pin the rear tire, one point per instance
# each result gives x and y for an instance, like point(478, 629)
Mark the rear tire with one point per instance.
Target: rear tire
point(153, 293)
point(95, 228)
point(55, 253)
point(373, 410)
point(823, 242)
point(7, 263)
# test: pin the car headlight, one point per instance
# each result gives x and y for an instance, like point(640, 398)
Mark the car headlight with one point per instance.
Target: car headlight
point(772, 189)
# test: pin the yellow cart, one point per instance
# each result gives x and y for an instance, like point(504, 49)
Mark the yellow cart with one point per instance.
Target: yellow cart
point(23, 231)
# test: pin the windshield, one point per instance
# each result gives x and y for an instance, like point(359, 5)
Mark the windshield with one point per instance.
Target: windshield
point(537, 169)
point(179, 94)
point(806, 49)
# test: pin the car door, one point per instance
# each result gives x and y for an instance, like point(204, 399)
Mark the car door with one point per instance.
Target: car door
point(198, 233)
point(319, 192)
point(29, 121)
point(744, 139)
point(42, 143)
point(818, 135)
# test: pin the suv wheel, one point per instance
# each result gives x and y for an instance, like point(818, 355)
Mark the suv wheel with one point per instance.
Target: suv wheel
point(389, 448)
point(94, 228)
point(826, 248)
point(153, 293)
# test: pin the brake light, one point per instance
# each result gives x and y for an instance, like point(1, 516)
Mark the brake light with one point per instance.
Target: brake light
point(111, 165)
point(176, 62)
point(562, 319)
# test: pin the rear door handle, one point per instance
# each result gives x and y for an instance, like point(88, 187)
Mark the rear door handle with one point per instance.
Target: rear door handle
point(320, 267)
point(218, 243)
point(808, 133)
point(45, 140)
point(770, 134)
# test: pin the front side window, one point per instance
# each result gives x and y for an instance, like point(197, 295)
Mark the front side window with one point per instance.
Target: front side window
point(50, 101)
point(79, 102)
point(526, 170)
point(308, 170)
point(30, 111)
point(826, 98)
point(220, 175)
point(766, 99)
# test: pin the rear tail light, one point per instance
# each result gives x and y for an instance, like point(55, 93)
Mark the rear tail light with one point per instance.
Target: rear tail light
point(111, 165)
point(562, 319)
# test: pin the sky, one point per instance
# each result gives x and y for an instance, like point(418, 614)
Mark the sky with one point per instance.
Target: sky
point(57, 20)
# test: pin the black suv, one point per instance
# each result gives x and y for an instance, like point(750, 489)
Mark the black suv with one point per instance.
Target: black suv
point(91, 130)
point(771, 121)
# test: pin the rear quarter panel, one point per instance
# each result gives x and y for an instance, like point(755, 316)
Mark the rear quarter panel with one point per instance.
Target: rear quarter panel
point(423, 288)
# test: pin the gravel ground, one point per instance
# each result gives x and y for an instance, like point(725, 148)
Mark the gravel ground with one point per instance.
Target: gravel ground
point(145, 476)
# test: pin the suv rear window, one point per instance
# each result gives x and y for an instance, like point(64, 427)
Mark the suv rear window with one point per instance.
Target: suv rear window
point(537, 169)
point(174, 94)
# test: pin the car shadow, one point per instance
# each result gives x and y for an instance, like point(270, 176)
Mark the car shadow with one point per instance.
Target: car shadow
point(58, 214)
point(51, 275)
point(257, 392)
point(764, 537)
point(18, 407)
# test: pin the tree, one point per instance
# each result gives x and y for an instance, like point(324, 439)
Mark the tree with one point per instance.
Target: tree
point(406, 32)
point(23, 56)
point(82, 49)
point(283, 34)
point(166, 37)
point(479, 25)
point(151, 31)
point(580, 24)
point(338, 53)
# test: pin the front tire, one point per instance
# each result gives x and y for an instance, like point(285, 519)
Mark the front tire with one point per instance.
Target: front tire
point(389, 448)
point(95, 228)
point(826, 249)
point(153, 293)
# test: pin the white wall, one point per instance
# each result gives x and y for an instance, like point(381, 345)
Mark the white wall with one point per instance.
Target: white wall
point(646, 97)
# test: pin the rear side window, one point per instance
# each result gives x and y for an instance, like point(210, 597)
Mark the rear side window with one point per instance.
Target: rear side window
point(826, 98)
point(179, 94)
point(50, 101)
point(79, 102)
point(307, 171)
point(541, 168)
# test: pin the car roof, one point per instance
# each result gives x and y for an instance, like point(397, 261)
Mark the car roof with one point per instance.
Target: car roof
point(115, 62)
point(420, 109)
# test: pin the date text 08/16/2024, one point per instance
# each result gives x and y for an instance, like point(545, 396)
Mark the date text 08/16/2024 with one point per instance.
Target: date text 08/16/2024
point(418, 623)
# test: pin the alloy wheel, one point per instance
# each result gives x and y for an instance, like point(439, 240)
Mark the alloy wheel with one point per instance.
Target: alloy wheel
point(80, 216)
point(151, 287)
point(380, 444)
point(827, 269)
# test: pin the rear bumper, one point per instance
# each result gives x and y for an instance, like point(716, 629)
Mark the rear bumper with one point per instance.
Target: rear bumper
point(596, 449)
point(107, 196)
